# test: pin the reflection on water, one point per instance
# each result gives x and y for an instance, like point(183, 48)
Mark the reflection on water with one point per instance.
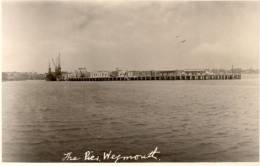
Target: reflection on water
point(187, 120)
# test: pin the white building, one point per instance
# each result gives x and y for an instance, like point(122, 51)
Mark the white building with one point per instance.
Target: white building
point(121, 73)
point(71, 75)
point(99, 74)
point(130, 74)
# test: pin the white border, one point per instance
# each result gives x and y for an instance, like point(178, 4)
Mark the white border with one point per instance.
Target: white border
point(126, 164)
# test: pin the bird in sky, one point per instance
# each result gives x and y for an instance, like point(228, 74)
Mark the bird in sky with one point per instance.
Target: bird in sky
point(183, 41)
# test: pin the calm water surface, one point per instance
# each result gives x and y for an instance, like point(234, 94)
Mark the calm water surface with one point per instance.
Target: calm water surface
point(187, 120)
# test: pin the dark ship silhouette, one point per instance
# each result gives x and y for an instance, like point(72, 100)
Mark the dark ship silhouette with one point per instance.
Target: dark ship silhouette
point(57, 74)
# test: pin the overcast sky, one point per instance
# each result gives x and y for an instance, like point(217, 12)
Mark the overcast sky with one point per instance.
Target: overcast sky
point(130, 35)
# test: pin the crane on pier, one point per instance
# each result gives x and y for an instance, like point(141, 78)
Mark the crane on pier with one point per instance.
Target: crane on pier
point(57, 74)
point(54, 64)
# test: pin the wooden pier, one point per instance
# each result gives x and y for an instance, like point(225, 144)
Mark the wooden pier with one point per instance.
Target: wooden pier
point(172, 77)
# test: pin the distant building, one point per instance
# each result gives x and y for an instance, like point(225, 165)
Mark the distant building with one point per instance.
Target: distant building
point(129, 74)
point(65, 76)
point(121, 73)
point(165, 73)
point(71, 75)
point(195, 72)
point(83, 73)
point(99, 74)
point(135, 73)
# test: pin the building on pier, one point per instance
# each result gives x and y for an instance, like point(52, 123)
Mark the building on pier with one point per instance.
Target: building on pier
point(100, 74)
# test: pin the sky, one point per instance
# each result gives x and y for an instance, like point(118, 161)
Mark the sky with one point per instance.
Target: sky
point(147, 35)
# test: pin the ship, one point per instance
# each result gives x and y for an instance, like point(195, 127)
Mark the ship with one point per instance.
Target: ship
point(55, 75)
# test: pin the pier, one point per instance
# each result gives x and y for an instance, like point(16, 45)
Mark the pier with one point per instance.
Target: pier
point(165, 77)
point(133, 75)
